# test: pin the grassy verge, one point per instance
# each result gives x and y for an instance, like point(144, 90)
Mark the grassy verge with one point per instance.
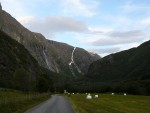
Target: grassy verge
point(107, 103)
point(17, 102)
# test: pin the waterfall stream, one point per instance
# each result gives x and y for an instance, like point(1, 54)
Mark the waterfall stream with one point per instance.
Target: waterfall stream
point(72, 62)
point(46, 60)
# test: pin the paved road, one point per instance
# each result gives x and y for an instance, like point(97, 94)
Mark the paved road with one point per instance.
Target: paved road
point(57, 104)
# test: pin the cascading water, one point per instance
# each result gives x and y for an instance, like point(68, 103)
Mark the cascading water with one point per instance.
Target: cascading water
point(72, 62)
point(46, 60)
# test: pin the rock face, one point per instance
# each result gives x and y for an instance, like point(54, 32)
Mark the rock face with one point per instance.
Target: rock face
point(52, 55)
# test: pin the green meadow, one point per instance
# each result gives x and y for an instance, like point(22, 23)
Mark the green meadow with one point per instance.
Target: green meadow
point(12, 101)
point(107, 103)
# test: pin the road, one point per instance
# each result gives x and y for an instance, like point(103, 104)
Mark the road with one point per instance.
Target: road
point(57, 104)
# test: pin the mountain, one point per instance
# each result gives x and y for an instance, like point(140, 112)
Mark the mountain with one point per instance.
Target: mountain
point(15, 58)
point(52, 55)
point(130, 64)
point(19, 70)
point(129, 67)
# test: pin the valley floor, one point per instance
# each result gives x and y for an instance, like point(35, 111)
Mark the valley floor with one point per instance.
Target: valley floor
point(107, 103)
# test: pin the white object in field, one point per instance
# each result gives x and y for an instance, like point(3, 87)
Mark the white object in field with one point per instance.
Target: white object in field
point(125, 94)
point(112, 93)
point(86, 93)
point(89, 94)
point(88, 97)
point(65, 91)
point(96, 96)
point(73, 93)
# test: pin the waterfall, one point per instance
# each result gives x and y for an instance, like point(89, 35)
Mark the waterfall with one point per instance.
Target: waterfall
point(46, 60)
point(72, 62)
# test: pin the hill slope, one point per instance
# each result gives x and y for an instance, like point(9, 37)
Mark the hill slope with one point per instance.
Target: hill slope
point(130, 67)
point(130, 64)
point(19, 70)
point(15, 58)
point(52, 55)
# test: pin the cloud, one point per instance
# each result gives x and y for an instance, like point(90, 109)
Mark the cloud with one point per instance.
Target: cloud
point(25, 20)
point(130, 7)
point(117, 37)
point(120, 28)
point(96, 29)
point(14, 7)
point(127, 34)
point(80, 7)
point(111, 38)
point(21, 8)
point(106, 50)
point(53, 24)
point(146, 21)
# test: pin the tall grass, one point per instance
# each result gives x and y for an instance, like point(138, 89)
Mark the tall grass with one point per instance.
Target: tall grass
point(12, 101)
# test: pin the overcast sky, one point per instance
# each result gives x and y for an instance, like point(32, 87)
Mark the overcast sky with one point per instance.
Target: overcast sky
point(101, 26)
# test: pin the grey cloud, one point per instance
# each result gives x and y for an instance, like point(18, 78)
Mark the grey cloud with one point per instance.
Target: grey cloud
point(116, 38)
point(55, 24)
point(127, 34)
point(96, 32)
point(107, 50)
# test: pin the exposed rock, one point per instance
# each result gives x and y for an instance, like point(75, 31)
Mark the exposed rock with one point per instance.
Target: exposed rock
point(49, 54)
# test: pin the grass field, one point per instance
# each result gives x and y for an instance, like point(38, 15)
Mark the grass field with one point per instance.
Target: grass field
point(17, 102)
point(107, 103)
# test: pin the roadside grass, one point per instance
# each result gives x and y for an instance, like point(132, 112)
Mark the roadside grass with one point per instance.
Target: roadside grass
point(107, 103)
point(12, 101)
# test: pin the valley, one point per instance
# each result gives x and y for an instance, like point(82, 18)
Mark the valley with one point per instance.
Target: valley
point(36, 70)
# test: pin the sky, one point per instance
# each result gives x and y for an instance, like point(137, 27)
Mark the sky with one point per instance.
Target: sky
point(100, 26)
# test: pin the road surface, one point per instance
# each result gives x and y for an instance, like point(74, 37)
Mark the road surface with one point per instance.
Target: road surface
point(57, 104)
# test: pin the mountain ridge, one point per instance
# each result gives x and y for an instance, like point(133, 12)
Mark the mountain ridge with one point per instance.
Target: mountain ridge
point(124, 60)
point(126, 70)
point(49, 54)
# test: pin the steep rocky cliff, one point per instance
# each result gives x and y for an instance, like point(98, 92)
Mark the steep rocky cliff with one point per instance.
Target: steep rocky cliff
point(52, 55)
